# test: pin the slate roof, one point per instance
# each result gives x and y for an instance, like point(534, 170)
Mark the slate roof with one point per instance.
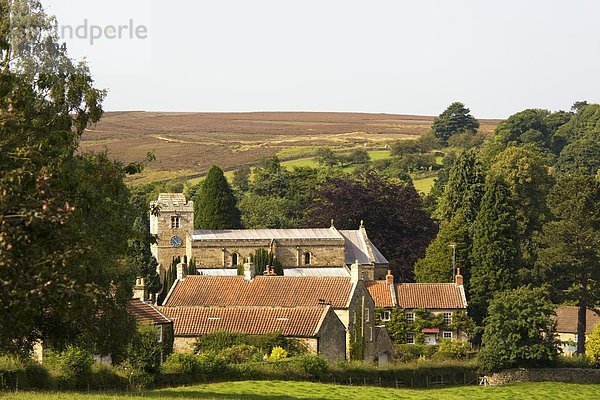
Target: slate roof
point(381, 293)
point(269, 291)
point(145, 313)
point(359, 247)
point(430, 295)
point(566, 319)
point(267, 234)
point(325, 271)
point(295, 322)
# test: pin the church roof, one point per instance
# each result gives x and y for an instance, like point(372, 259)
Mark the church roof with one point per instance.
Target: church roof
point(267, 291)
point(295, 322)
point(268, 234)
point(329, 271)
point(359, 247)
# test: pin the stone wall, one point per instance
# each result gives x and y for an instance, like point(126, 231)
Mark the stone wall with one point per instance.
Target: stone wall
point(332, 340)
point(574, 375)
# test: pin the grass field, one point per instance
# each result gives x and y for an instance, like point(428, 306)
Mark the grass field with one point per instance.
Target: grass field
point(278, 390)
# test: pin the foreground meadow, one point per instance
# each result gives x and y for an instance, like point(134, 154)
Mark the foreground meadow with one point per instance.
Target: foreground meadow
point(279, 390)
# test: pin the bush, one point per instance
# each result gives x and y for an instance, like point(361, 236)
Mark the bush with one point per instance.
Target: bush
point(145, 352)
point(241, 353)
point(455, 348)
point(576, 361)
point(409, 352)
point(314, 366)
point(72, 367)
point(278, 353)
point(219, 341)
point(17, 373)
point(181, 364)
point(211, 364)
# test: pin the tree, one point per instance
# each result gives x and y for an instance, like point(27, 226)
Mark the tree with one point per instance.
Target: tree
point(593, 344)
point(569, 255)
point(464, 188)
point(519, 330)
point(392, 212)
point(141, 259)
point(358, 156)
point(582, 155)
point(525, 171)
point(495, 256)
point(56, 203)
point(241, 178)
point(455, 119)
point(270, 178)
point(214, 203)
point(265, 212)
point(325, 156)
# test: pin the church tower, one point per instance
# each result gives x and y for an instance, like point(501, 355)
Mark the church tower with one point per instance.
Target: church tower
point(172, 221)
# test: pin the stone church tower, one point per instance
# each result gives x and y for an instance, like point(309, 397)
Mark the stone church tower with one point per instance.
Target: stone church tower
point(172, 221)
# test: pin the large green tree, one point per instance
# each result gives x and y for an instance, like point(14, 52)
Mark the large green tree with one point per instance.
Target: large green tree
point(495, 257)
point(519, 330)
point(569, 257)
point(214, 203)
point(455, 119)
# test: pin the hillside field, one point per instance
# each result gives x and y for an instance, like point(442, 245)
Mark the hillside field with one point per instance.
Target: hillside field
point(188, 144)
point(279, 390)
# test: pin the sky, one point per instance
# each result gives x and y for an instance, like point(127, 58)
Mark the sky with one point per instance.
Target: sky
point(403, 57)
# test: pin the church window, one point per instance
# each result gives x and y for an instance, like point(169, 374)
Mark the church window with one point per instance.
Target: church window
point(307, 258)
point(175, 222)
point(235, 259)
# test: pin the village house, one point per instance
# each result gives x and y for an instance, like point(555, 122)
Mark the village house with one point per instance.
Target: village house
point(566, 327)
point(445, 299)
point(324, 251)
point(317, 327)
point(348, 297)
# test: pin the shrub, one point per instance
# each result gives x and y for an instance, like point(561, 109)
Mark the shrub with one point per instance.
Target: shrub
point(278, 353)
point(72, 366)
point(241, 353)
point(409, 352)
point(17, 373)
point(456, 348)
point(181, 363)
point(145, 352)
point(576, 361)
point(219, 341)
point(211, 364)
point(314, 366)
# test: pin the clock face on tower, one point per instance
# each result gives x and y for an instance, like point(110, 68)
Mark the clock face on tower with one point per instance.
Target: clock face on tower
point(176, 241)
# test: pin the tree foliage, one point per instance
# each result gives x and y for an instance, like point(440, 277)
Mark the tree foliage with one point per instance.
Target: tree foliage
point(455, 119)
point(495, 256)
point(519, 330)
point(392, 212)
point(214, 203)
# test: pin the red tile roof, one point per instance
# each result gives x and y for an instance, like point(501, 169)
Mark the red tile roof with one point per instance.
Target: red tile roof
point(269, 291)
point(145, 313)
point(295, 322)
point(566, 319)
point(381, 293)
point(430, 295)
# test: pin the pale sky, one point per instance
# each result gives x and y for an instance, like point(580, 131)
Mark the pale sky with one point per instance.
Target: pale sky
point(405, 57)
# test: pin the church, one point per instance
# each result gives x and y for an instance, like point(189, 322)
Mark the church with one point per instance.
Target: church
point(301, 252)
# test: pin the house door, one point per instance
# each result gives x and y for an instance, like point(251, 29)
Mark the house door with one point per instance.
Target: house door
point(430, 339)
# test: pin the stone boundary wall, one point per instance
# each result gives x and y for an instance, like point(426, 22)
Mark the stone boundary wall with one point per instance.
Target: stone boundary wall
point(577, 375)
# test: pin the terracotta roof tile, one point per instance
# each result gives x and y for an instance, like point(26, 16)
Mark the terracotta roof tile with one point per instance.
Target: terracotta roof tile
point(566, 319)
point(381, 293)
point(430, 295)
point(296, 322)
point(269, 291)
point(146, 313)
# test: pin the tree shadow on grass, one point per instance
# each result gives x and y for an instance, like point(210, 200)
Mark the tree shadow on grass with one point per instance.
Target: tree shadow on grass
point(208, 394)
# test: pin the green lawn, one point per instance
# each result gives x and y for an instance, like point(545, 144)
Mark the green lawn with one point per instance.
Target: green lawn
point(264, 390)
point(424, 185)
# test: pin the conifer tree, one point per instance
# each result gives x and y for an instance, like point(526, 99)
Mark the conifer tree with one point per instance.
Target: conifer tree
point(214, 203)
point(495, 256)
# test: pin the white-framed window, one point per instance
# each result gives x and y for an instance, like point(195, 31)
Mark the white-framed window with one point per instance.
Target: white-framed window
point(447, 318)
point(367, 315)
point(410, 338)
point(159, 333)
point(386, 316)
point(370, 334)
point(175, 222)
point(410, 317)
point(446, 335)
point(307, 258)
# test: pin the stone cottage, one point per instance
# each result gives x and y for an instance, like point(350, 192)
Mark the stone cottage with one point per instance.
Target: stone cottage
point(566, 326)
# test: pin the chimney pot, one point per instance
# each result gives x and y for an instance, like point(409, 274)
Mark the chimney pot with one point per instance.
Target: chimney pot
point(458, 279)
point(389, 278)
point(249, 271)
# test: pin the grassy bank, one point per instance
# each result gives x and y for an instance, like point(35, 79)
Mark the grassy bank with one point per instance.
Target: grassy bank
point(262, 390)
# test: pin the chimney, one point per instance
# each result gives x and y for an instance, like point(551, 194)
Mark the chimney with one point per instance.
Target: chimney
point(355, 272)
point(389, 278)
point(458, 279)
point(181, 271)
point(249, 271)
point(140, 290)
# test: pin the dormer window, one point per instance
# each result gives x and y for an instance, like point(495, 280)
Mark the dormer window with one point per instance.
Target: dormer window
point(175, 222)
point(307, 258)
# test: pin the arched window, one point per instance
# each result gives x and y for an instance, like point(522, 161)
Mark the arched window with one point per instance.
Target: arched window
point(307, 258)
point(234, 259)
